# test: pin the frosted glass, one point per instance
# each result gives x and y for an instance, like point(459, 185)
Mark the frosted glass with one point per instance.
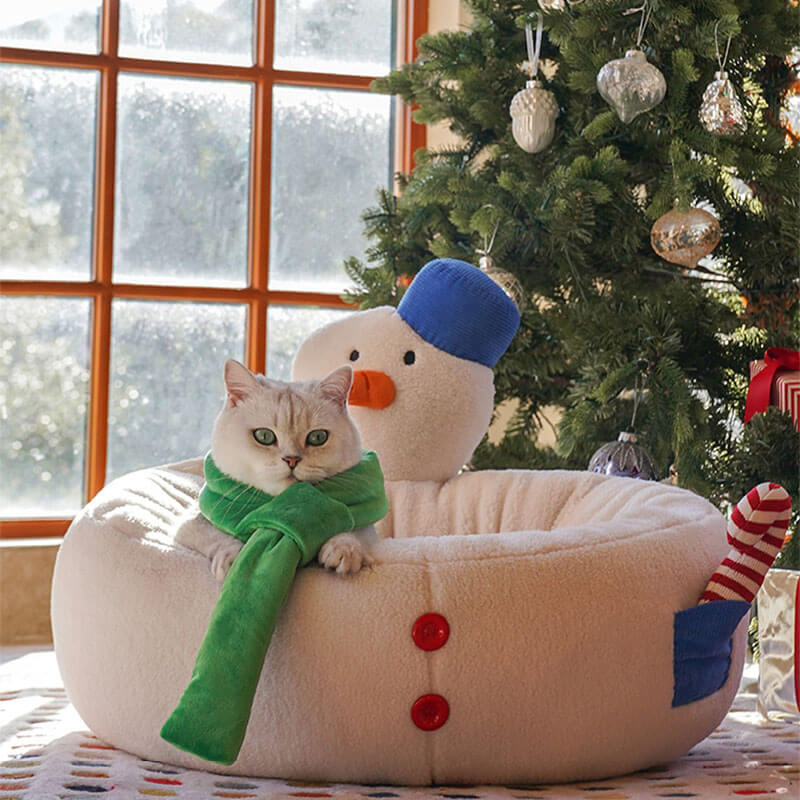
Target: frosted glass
point(68, 25)
point(166, 379)
point(207, 31)
point(352, 38)
point(331, 150)
point(182, 181)
point(44, 389)
point(47, 141)
point(287, 327)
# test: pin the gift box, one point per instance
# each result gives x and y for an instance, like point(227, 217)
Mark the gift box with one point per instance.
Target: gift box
point(779, 644)
point(775, 381)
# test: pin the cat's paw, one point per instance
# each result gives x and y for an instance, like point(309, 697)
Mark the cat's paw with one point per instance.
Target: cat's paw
point(345, 554)
point(224, 556)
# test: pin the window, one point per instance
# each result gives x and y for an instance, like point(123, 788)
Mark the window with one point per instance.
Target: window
point(181, 181)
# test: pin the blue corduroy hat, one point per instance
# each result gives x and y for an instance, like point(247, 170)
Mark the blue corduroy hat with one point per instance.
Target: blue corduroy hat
point(460, 310)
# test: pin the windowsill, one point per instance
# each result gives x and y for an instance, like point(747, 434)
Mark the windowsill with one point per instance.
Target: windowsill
point(44, 541)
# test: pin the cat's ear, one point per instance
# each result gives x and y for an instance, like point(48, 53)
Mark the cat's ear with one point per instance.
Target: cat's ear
point(336, 386)
point(240, 383)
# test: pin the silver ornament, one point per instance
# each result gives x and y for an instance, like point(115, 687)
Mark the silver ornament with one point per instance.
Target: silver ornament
point(684, 237)
point(533, 117)
point(631, 85)
point(721, 113)
point(624, 458)
point(505, 280)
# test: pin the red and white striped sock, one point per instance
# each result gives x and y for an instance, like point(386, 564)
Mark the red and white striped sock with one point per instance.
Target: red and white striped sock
point(756, 531)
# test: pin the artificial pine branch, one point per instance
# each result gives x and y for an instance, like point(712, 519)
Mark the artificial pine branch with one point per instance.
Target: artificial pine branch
point(606, 316)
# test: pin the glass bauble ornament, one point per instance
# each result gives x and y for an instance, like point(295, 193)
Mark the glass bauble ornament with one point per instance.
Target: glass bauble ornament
point(631, 85)
point(533, 117)
point(684, 237)
point(624, 458)
point(721, 113)
point(505, 280)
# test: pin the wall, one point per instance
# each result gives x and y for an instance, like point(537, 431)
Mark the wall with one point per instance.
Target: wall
point(26, 571)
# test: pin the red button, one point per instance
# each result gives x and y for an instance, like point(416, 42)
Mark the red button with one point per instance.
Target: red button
point(430, 712)
point(430, 631)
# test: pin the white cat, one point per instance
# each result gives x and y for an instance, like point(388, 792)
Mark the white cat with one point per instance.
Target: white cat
point(271, 434)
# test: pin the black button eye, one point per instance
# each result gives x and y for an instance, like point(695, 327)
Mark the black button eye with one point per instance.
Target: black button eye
point(354, 355)
point(409, 357)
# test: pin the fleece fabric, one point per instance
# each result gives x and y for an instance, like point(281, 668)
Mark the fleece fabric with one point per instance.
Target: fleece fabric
point(280, 533)
point(460, 310)
point(560, 590)
point(441, 406)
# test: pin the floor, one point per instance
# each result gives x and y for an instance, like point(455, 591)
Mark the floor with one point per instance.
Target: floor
point(46, 753)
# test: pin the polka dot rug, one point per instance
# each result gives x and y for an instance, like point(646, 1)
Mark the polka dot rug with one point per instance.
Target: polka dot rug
point(47, 754)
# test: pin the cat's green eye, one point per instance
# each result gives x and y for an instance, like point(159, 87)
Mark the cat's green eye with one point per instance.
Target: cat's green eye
point(264, 436)
point(316, 438)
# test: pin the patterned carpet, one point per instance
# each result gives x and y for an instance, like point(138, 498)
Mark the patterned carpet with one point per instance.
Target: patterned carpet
point(47, 754)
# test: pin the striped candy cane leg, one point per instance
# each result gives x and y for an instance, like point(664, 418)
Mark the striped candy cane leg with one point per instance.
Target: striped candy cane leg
point(756, 532)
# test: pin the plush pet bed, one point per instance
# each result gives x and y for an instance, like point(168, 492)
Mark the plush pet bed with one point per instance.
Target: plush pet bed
point(517, 627)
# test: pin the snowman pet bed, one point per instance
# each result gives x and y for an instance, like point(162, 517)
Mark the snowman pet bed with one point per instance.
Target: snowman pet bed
point(516, 626)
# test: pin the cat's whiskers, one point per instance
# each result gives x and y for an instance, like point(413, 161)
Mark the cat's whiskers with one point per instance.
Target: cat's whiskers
point(223, 498)
point(312, 474)
point(242, 494)
point(342, 480)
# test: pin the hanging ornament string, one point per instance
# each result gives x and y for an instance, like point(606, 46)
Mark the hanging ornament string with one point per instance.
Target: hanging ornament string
point(636, 398)
point(646, 10)
point(722, 61)
point(504, 279)
point(531, 66)
point(485, 261)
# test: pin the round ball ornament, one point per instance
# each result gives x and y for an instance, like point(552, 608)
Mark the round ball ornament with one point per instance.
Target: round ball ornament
point(533, 117)
point(505, 280)
point(624, 458)
point(684, 237)
point(631, 85)
point(721, 113)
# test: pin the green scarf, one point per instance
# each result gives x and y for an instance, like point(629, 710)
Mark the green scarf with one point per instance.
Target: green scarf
point(280, 533)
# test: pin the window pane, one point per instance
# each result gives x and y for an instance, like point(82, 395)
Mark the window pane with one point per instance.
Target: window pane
point(44, 387)
point(47, 120)
point(352, 38)
point(209, 31)
point(330, 151)
point(287, 328)
point(166, 379)
point(182, 181)
point(69, 25)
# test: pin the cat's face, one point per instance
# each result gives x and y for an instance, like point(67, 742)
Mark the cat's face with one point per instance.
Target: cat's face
point(271, 434)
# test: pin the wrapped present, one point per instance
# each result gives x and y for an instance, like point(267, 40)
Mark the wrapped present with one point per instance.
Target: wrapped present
point(779, 644)
point(775, 380)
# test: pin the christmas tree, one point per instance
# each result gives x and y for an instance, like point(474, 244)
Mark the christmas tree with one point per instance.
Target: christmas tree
point(613, 336)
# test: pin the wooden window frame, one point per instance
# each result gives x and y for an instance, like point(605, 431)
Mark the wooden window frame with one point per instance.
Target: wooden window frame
point(412, 21)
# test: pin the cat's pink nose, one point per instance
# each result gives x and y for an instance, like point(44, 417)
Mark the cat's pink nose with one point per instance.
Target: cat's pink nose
point(291, 461)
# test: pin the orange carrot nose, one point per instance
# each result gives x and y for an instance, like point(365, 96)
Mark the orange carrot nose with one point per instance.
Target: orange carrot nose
point(371, 389)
